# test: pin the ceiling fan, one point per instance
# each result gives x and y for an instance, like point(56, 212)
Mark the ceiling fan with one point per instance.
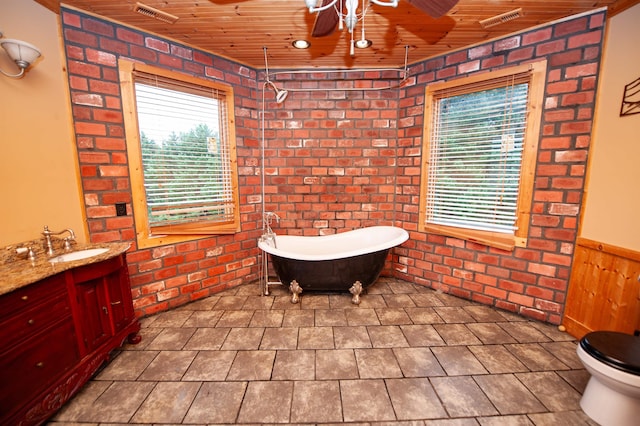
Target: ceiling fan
point(332, 13)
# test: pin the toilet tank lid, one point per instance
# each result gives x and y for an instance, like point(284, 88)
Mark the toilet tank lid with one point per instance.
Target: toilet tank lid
point(618, 350)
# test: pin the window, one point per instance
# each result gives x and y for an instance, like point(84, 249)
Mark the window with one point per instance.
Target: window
point(479, 152)
point(181, 148)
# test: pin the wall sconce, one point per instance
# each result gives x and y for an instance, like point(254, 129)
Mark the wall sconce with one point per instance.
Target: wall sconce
point(20, 52)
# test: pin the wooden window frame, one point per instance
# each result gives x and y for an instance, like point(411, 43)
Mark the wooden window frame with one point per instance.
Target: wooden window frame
point(476, 83)
point(144, 235)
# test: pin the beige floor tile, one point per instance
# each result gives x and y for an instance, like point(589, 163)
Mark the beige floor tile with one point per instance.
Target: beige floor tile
point(252, 365)
point(565, 352)
point(386, 336)
point(280, 338)
point(453, 314)
point(497, 360)
point(267, 402)
point(524, 332)
point(216, 402)
point(426, 299)
point(398, 300)
point(315, 338)
point(294, 365)
point(336, 364)
point(414, 399)
point(167, 403)
point(128, 365)
point(316, 402)
point(168, 366)
point(266, 318)
point(351, 337)
point(490, 333)
point(235, 319)
point(462, 397)
point(298, 318)
point(207, 339)
point(456, 334)
point(393, 316)
point(535, 357)
point(508, 394)
point(174, 318)
point(362, 316)
point(210, 366)
point(314, 301)
point(112, 406)
point(203, 319)
point(421, 335)
point(229, 302)
point(330, 317)
point(284, 302)
point(172, 339)
point(243, 339)
point(423, 315)
point(258, 303)
point(564, 418)
point(377, 363)
point(372, 301)
point(551, 390)
point(418, 362)
point(73, 410)
point(458, 360)
point(515, 420)
point(365, 401)
point(483, 313)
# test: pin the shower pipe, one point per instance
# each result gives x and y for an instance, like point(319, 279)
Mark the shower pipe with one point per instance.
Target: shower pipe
point(402, 79)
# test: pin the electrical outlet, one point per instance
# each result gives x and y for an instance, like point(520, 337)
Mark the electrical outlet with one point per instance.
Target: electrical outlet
point(121, 209)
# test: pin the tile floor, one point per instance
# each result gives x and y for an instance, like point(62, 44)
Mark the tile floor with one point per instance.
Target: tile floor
point(405, 355)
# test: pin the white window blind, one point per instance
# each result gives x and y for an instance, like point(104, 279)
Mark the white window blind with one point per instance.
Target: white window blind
point(185, 152)
point(476, 154)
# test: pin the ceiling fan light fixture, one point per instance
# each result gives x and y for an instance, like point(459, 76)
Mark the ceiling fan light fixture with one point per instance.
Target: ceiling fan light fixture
point(301, 44)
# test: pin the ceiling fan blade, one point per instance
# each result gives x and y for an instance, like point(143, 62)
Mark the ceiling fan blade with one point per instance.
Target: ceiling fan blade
point(326, 21)
point(434, 8)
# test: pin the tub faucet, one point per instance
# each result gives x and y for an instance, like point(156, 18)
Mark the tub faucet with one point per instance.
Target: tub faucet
point(67, 241)
point(269, 236)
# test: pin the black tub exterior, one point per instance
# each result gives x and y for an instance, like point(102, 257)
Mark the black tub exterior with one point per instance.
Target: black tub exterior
point(336, 275)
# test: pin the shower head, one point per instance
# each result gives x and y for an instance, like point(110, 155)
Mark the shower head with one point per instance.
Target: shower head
point(281, 94)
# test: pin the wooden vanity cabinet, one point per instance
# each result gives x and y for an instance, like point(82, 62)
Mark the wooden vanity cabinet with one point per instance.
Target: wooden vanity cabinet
point(55, 334)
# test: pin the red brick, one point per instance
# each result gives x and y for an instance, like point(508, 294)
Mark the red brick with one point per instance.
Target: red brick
point(570, 27)
point(581, 40)
point(567, 86)
point(554, 46)
point(98, 27)
point(565, 57)
point(536, 36)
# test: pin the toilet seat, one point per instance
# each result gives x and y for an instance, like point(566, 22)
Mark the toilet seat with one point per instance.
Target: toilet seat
point(618, 350)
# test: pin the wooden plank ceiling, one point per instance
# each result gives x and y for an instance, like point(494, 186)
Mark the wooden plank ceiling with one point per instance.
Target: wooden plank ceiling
point(239, 29)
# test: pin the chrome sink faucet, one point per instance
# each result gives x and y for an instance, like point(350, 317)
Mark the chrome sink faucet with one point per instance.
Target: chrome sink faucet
point(67, 241)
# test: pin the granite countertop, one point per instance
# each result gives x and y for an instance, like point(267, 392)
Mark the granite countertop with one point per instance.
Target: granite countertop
point(17, 271)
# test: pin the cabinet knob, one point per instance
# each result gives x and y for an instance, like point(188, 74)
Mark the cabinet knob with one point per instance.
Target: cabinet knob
point(31, 322)
point(106, 311)
point(40, 364)
point(25, 298)
point(116, 303)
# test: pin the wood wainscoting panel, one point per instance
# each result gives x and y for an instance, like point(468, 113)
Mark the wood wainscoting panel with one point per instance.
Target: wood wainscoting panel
point(604, 289)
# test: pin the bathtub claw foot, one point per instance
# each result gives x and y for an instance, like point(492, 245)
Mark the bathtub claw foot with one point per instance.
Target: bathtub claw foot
point(356, 290)
point(296, 290)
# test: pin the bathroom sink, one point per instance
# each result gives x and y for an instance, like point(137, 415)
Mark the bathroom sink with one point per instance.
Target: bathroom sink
point(78, 255)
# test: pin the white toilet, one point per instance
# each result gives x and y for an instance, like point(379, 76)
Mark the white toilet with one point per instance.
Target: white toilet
point(612, 396)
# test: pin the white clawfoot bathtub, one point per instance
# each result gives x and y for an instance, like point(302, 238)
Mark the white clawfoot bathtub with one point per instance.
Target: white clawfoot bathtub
point(349, 261)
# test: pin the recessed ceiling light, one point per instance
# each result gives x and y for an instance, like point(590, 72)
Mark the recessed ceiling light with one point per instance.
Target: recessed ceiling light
point(363, 43)
point(301, 44)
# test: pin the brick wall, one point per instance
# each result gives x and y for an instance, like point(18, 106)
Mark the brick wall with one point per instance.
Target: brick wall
point(330, 153)
point(532, 280)
point(167, 276)
point(341, 159)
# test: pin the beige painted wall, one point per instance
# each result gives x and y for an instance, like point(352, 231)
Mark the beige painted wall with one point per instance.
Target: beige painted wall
point(38, 166)
point(612, 210)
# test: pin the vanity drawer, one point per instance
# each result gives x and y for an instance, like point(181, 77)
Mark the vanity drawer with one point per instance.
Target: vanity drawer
point(30, 368)
point(32, 295)
point(30, 322)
